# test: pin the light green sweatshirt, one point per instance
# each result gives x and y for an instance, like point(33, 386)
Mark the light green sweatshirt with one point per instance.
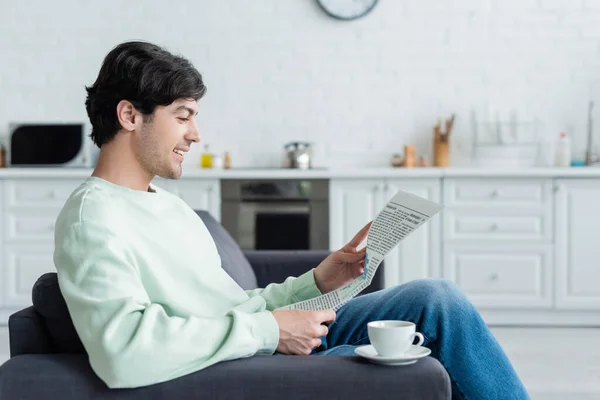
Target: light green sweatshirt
point(143, 283)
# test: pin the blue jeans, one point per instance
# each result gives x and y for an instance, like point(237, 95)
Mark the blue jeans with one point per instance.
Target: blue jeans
point(453, 330)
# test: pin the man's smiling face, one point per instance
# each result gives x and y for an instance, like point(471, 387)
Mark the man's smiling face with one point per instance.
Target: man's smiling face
point(166, 137)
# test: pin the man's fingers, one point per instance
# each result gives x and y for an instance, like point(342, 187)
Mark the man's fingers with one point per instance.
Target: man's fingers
point(326, 316)
point(351, 258)
point(360, 236)
point(323, 330)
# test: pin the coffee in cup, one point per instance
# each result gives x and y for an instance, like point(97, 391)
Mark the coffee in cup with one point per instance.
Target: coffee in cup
point(392, 338)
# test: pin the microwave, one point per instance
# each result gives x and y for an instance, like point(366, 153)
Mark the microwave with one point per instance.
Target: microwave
point(47, 145)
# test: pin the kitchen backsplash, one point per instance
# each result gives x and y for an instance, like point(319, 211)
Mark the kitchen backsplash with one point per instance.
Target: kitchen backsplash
point(280, 70)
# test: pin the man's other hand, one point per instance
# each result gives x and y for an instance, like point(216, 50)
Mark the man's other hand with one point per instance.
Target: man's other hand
point(343, 266)
point(301, 331)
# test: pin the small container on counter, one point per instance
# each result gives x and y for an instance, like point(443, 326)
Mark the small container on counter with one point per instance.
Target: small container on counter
point(410, 156)
point(206, 159)
point(397, 160)
point(217, 161)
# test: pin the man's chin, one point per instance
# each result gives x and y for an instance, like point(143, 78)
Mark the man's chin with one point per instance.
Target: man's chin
point(172, 174)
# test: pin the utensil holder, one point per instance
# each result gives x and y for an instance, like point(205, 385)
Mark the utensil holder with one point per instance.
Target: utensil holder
point(441, 151)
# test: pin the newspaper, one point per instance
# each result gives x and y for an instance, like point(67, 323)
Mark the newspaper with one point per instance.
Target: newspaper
point(403, 214)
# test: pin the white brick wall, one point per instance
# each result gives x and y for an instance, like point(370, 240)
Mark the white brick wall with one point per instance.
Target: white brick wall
point(279, 70)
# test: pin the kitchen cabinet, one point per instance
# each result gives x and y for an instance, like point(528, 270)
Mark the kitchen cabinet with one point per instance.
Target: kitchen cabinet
point(417, 256)
point(199, 194)
point(498, 241)
point(577, 249)
point(354, 202)
point(30, 208)
point(23, 264)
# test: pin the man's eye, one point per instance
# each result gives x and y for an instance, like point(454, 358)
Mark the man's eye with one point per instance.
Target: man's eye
point(183, 119)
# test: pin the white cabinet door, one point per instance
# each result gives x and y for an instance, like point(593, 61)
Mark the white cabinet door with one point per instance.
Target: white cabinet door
point(199, 194)
point(23, 265)
point(417, 256)
point(352, 203)
point(577, 249)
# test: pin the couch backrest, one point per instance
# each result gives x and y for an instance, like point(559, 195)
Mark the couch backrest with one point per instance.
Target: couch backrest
point(50, 304)
point(233, 260)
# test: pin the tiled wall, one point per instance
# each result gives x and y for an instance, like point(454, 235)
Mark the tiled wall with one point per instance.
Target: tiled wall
point(280, 70)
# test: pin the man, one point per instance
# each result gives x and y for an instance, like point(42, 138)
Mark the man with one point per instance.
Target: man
point(142, 277)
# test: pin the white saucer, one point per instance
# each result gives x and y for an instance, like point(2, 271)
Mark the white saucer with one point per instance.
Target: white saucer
point(412, 355)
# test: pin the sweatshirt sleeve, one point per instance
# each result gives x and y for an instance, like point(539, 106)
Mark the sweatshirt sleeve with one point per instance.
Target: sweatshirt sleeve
point(292, 290)
point(131, 341)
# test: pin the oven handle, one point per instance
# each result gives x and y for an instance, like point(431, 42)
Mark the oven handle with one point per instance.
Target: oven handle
point(273, 207)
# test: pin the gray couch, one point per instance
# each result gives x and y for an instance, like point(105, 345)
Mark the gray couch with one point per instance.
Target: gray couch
point(48, 360)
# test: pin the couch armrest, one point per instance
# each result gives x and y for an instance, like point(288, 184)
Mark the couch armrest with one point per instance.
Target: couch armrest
point(69, 376)
point(274, 266)
point(27, 333)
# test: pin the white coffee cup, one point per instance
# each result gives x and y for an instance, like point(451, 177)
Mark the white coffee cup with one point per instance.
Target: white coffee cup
point(392, 337)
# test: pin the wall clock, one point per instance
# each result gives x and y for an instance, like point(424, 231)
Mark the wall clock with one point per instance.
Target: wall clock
point(347, 10)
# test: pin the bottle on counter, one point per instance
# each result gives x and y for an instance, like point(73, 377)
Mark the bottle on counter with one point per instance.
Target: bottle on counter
point(206, 158)
point(2, 157)
point(217, 161)
point(563, 151)
point(227, 160)
point(410, 156)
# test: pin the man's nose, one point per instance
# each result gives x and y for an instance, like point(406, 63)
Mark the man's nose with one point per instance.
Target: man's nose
point(194, 133)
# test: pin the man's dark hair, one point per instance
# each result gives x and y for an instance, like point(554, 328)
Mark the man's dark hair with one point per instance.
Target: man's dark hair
point(144, 74)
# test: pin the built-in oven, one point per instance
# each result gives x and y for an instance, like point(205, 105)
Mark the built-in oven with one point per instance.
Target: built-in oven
point(279, 214)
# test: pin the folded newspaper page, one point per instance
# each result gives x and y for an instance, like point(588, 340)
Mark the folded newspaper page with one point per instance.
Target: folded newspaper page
point(404, 213)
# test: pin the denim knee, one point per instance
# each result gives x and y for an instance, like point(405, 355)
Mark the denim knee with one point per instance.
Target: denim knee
point(434, 293)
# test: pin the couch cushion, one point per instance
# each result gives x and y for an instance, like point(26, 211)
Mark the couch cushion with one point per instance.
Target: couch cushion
point(68, 376)
point(233, 260)
point(49, 302)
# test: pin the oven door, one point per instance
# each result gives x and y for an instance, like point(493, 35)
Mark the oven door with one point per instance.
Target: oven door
point(274, 225)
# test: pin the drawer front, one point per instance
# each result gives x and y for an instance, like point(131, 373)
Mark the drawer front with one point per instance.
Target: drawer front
point(199, 194)
point(464, 225)
point(30, 225)
point(36, 192)
point(24, 264)
point(497, 192)
point(502, 276)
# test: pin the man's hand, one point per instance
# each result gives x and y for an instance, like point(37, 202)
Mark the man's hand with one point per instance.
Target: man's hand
point(343, 266)
point(300, 331)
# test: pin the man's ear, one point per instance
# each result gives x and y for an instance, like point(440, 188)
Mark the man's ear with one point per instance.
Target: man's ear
point(127, 115)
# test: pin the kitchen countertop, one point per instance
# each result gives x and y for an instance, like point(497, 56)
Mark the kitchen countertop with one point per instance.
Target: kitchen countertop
point(350, 173)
